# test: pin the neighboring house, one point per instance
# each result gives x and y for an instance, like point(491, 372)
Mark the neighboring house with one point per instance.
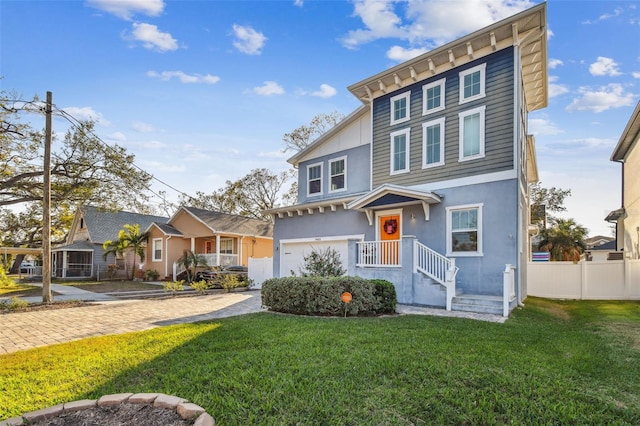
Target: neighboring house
point(426, 184)
point(598, 240)
point(81, 256)
point(223, 239)
point(627, 218)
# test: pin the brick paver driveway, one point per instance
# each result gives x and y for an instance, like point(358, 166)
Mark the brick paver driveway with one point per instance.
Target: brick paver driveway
point(24, 330)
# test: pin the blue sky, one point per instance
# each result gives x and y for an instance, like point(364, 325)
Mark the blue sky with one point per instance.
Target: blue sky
point(203, 91)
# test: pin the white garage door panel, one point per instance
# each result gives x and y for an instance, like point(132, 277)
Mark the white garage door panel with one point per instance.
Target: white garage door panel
point(293, 254)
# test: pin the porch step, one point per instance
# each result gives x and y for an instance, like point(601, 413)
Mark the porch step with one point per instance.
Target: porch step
point(477, 303)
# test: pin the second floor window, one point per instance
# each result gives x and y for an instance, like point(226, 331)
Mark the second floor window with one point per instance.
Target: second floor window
point(472, 83)
point(338, 174)
point(471, 134)
point(400, 108)
point(400, 151)
point(433, 143)
point(314, 179)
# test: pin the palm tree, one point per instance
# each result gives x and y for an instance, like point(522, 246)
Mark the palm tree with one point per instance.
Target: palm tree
point(564, 241)
point(191, 261)
point(130, 239)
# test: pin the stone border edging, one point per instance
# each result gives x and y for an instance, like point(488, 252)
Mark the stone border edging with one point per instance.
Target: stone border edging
point(184, 408)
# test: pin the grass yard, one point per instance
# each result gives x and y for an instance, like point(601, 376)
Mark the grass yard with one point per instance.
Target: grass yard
point(112, 286)
point(551, 363)
point(20, 290)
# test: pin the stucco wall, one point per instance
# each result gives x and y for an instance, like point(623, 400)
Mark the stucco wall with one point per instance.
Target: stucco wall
point(632, 203)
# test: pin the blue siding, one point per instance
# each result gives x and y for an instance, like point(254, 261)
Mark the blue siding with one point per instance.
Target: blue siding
point(358, 174)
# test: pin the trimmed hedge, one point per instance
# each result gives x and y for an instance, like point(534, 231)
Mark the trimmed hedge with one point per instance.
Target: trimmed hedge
point(322, 296)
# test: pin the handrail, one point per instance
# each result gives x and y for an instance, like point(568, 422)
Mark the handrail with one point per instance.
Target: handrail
point(437, 267)
point(385, 253)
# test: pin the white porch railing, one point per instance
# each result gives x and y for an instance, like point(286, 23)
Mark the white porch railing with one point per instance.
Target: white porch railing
point(437, 267)
point(508, 287)
point(379, 253)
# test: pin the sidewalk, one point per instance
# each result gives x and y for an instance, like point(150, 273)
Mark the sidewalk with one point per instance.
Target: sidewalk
point(66, 293)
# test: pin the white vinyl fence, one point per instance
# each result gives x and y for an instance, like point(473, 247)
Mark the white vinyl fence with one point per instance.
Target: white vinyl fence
point(260, 270)
point(604, 280)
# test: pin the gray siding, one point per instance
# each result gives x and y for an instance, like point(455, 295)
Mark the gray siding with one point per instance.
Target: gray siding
point(499, 102)
point(358, 174)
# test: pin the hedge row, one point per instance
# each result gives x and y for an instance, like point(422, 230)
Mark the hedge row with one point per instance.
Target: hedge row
point(322, 296)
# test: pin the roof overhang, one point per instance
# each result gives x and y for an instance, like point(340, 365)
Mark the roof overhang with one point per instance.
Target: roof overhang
point(331, 204)
point(391, 196)
point(20, 250)
point(630, 135)
point(532, 160)
point(615, 215)
point(526, 29)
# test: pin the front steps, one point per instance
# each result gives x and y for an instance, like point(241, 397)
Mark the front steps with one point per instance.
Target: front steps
point(477, 303)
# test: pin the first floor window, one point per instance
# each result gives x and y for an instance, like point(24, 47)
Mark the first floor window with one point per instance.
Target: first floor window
point(400, 151)
point(314, 179)
point(471, 134)
point(226, 246)
point(433, 143)
point(157, 249)
point(338, 174)
point(464, 225)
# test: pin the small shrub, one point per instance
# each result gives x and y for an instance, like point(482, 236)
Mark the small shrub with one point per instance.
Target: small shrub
point(200, 286)
point(14, 304)
point(173, 286)
point(385, 292)
point(323, 263)
point(151, 275)
point(112, 270)
point(5, 280)
point(230, 281)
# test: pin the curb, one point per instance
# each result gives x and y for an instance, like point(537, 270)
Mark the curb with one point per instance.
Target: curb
point(186, 409)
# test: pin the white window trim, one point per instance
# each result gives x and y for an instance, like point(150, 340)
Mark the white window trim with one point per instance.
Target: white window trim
point(426, 87)
point(227, 240)
point(406, 95)
point(480, 110)
point(344, 188)
point(153, 250)
point(315, 194)
point(407, 133)
point(482, 68)
point(441, 122)
point(450, 252)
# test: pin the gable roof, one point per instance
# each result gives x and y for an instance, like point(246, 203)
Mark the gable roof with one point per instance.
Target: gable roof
point(104, 225)
point(630, 135)
point(229, 223)
point(166, 229)
point(526, 29)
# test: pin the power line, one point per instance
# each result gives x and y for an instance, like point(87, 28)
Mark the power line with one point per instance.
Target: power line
point(39, 106)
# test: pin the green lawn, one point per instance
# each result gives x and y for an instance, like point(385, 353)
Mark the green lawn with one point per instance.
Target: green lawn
point(551, 363)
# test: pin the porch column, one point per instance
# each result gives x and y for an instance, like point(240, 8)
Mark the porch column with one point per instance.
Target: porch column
point(193, 244)
point(217, 249)
point(404, 290)
point(65, 254)
point(352, 257)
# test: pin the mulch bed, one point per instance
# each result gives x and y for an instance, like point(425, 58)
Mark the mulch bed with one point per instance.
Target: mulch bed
point(120, 415)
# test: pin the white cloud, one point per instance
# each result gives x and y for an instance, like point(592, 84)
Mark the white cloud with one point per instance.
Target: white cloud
point(152, 38)
point(556, 89)
point(325, 91)
point(602, 99)
point(400, 54)
point(125, 9)
point(141, 127)
point(247, 40)
point(554, 63)
point(427, 22)
point(636, 74)
point(604, 66)
point(298, 3)
point(269, 88)
point(183, 77)
point(117, 136)
point(543, 126)
point(86, 113)
point(153, 145)
point(616, 12)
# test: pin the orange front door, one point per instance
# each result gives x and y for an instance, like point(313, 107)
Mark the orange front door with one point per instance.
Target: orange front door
point(389, 230)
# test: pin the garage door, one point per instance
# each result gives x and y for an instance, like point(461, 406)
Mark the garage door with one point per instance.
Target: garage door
point(292, 254)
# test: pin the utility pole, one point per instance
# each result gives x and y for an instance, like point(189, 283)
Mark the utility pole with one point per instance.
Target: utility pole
point(46, 205)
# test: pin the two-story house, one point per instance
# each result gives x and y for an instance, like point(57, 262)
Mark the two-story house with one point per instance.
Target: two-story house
point(426, 184)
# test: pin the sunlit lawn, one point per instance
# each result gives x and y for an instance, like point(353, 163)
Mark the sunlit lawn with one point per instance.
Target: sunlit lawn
point(550, 363)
